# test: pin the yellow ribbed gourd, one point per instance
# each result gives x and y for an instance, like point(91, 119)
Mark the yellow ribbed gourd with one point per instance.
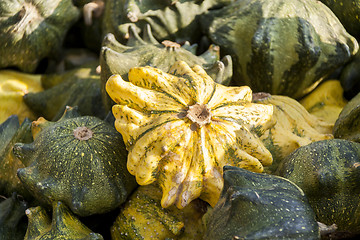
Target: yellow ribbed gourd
point(181, 128)
point(13, 86)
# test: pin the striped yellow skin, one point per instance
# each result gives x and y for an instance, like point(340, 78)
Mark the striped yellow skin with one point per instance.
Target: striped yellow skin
point(186, 158)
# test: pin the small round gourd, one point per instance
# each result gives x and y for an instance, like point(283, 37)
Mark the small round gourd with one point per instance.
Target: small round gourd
point(78, 160)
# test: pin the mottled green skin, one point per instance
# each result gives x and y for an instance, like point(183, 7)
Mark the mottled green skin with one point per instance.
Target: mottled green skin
point(116, 58)
point(170, 20)
point(347, 126)
point(281, 47)
point(31, 30)
point(260, 206)
point(329, 173)
point(348, 12)
point(63, 225)
point(90, 176)
point(12, 213)
point(12, 132)
point(78, 87)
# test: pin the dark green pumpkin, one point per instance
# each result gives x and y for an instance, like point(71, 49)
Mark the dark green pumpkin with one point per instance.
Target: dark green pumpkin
point(78, 87)
point(31, 30)
point(347, 126)
point(63, 225)
point(260, 206)
point(78, 160)
point(12, 222)
point(329, 173)
point(281, 47)
point(12, 132)
point(116, 58)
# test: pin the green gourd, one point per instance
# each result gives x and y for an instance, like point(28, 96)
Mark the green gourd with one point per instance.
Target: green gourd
point(328, 172)
point(12, 214)
point(281, 47)
point(348, 123)
point(170, 20)
point(142, 217)
point(77, 87)
point(260, 206)
point(62, 225)
point(12, 132)
point(116, 58)
point(78, 160)
point(32, 30)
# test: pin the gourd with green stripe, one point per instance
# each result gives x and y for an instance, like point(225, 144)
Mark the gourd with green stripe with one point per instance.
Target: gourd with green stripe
point(181, 128)
point(281, 47)
point(80, 160)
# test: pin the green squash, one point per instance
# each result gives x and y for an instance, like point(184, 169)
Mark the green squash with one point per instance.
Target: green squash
point(63, 225)
point(116, 58)
point(347, 126)
point(329, 173)
point(31, 30)
point(348, 12)
point(142, 217)
point(260, 206)
point(12, 132)
point(12, 222)
point(170, 20)
point(78, 87)
point(281, 47)
point(78, 160)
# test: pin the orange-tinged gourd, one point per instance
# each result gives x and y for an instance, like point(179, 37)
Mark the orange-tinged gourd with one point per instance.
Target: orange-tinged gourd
point(181, 128)
point(13, 86)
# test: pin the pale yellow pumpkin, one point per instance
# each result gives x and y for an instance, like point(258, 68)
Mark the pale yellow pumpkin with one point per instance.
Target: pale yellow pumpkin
point(181, 128)
point(13, 86)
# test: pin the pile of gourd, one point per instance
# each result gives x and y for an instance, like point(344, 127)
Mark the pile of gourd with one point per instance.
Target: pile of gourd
point(179, 119)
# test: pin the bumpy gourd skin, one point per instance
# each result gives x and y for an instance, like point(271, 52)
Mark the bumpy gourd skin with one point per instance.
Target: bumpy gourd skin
point(181, 128)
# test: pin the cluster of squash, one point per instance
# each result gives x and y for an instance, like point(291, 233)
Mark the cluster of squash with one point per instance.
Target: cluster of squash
point(179, 119)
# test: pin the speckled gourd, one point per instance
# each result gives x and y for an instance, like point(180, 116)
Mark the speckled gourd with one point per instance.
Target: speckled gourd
point(80, 160)
point(181, 128)
point(260, 206)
